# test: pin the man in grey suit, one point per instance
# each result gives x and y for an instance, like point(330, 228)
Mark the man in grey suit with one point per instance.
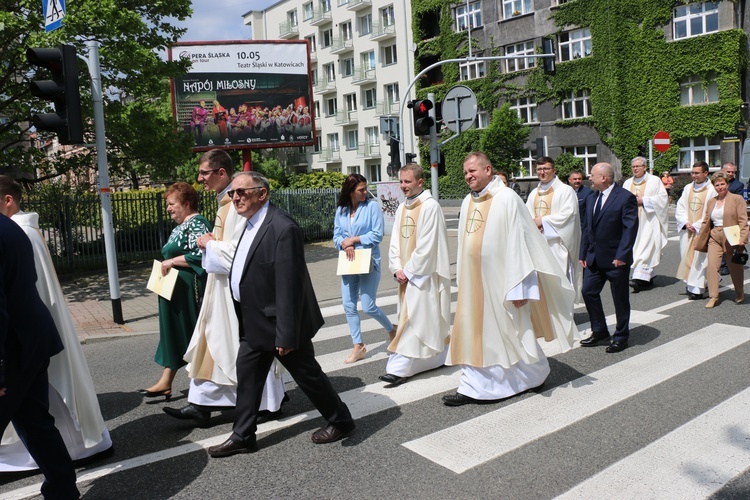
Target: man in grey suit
point(279, 316)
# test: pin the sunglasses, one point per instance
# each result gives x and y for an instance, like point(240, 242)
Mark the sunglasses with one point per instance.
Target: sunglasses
point(241, 192)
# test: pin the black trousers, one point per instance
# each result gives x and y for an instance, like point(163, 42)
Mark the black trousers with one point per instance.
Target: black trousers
point(594, 279)
point(252, 370)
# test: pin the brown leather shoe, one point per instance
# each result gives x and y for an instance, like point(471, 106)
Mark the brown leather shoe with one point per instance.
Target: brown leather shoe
point(229, 448)
point(329, 434)
point(712, 302)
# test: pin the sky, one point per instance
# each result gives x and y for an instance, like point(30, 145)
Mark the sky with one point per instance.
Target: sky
point(220, 19)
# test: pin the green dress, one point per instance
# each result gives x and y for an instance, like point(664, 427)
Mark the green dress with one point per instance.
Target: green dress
point(177, 317)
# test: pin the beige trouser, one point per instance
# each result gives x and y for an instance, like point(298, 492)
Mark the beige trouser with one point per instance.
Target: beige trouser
point(718, 245)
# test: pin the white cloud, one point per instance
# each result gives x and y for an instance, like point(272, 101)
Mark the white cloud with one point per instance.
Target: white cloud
point(217, 20)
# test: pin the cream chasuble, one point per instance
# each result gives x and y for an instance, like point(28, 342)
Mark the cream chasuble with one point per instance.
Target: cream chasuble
point(499, 246)
point(691, 207)
point(419, 247)
point(653, 218)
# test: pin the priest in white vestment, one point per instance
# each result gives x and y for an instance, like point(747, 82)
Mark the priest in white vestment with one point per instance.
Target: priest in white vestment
point(554, 207)
point(212, 352)
point(511, 291)
point(689, 213)
point(653, 218)
point(418, 258)
point(72, 396)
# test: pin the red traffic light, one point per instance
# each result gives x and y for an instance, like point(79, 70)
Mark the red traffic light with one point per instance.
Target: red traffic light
point(423, 122)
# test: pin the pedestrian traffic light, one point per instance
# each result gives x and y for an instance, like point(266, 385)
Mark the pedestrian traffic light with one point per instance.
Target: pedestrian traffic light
point(410, 157)
point(423, 122)
point(548, 63)
point(393, 151)
point(62, 90)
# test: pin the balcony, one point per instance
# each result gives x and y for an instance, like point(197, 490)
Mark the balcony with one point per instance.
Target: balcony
point(287, 30)
point(382, 31)
point(356, 5)
point(313, 57)
point(320, 17)
point(363, 75)
point(367, 150)
point(383, 108)
point(339, 45)
point(325, 86)
point(330, 155)
point(344, 117)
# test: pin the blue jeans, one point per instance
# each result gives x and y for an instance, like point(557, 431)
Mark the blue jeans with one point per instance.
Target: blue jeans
point(367, 285)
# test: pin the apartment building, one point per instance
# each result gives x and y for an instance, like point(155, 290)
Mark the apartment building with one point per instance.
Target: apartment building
point(362, 61)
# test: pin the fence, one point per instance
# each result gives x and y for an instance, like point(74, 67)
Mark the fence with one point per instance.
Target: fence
point(72, 226)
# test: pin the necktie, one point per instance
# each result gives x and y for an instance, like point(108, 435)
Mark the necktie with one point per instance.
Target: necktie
point(598, 204)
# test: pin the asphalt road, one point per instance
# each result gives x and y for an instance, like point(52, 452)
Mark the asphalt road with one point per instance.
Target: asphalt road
point(666, 418)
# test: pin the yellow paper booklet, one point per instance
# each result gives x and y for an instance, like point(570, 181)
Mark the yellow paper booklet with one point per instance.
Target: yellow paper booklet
point(162, 285)
point(733, 235)
point(360, 264)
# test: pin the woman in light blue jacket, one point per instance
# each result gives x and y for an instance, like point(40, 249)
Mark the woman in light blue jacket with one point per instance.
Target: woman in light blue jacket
point(359, 224)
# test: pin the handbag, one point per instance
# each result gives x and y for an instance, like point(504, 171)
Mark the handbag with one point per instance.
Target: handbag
point(740, 256)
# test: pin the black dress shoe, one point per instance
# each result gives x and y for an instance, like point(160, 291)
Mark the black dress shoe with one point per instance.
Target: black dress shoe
point(617, 346)
point(329, 434)
point(266, 416)
point(594, 339)
point(635, 286)
point(229, 448)
point(459, 399)
point(393, 380)
point(189, 412)
point(695, 296)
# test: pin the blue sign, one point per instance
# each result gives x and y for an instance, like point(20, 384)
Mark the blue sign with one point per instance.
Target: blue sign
point(54, 11)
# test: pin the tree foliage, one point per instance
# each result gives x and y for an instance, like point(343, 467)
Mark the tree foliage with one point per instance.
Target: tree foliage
point(502, 141)
point(317, 180)
point(566, 163)
point(138, 121)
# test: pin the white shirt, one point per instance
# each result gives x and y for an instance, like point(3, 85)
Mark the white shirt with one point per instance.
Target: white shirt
point(240, 256)
point(605, 194)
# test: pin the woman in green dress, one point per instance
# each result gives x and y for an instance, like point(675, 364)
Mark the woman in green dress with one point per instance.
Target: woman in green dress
point(177, 317)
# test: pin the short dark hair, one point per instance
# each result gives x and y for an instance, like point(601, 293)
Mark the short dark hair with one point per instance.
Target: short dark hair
point(217, 158)
point(350, 184)
point(8, 186)
point(575, 172)
point(185, 193)
point(545, 160)
point(702, 164)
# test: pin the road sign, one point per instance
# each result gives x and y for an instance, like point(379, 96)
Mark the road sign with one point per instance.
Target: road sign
point(662, 141)
point(54, 11)
point(459, 108)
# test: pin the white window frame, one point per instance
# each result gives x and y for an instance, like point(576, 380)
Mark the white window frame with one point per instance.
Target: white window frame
point(387, 16)
point(695, 149)
point(313, 43)
point(371, 135)
point(330, 72)
point(520, 63)
point(366, 102)
point(693, 92)
point(333, 142)
point(529, 163)
point(586, 153)
point(332, 106)
point(351, 102)
point(347, 67)
point(373, 174)
point(308, 11)
point(471, 18)
point(572, 99)
point(291, 18)
point(391, 90)
point(346, 31)
point(365, 24)
point(352, 139)
point(695, 19)
point(317, 110)
point(326, 38)
point(325, 5)
point(368, 60)
point(574, 44)
point(526, 109)
point(483, 119)
point(390, 55)
point(471, 70)
point(512, 8)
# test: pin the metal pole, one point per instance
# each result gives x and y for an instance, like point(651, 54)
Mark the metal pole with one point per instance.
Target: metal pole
point(104, 190)
point(651, 156)
point(434, 153)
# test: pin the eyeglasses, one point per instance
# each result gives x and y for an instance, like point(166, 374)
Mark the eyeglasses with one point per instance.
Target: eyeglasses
point(241, 192)
point(206, 173)
point(544, 169)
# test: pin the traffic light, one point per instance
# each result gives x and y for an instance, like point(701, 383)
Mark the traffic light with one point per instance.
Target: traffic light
point(548, 63)
point(410, 157)
point(393, 151)
point(423, 122)
point(62, 90)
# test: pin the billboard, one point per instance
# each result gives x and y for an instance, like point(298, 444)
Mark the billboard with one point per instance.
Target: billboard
point(245, 94)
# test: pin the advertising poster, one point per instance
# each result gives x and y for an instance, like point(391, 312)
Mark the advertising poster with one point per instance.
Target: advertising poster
point(244, 94)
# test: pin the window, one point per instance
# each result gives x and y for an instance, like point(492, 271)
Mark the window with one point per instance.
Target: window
point(389, 55)
point(519, 49)
point(696, 19)
point(330, 72)
point(333, 142)
point(365, 25)
point(307, 11)
point(368, 60)
point(317, 109)
point(527, 165)
point(391, 93)
point(369, 98)
point(699, 149)
point(351, 102)
point(352, 139)
point(575, 44)
point(353, 169)
point(471, 18)
point(331, 107)
point(483, 119)
point(515, 8)
point(387, 17)
point(577, 105)
point(588, 153)
point(347, 67)
point(526, 109)
point(313, 44)
point(471, 70)
point(373, 172)
point(327, 37)
point(325, 5)
point(371, 134)
point(314, 75)
point(346, 31)
point(291, 18)
point(694, 90)
point(318, 143)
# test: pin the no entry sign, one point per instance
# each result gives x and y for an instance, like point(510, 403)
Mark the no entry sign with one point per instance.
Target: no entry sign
point(662, 141)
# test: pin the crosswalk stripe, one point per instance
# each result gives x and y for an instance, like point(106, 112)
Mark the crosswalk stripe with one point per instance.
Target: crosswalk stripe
point(461, 447)
point(693, 461)
point(386, 300)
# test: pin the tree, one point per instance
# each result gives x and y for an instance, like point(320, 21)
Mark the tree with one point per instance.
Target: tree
point(140, 130)
point(502, 141)
point(566, 163)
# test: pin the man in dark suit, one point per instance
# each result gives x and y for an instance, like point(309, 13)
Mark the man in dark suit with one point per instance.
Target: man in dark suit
point(607, 254)
point(28, 338)
point(279, 316)
point(575, 180)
